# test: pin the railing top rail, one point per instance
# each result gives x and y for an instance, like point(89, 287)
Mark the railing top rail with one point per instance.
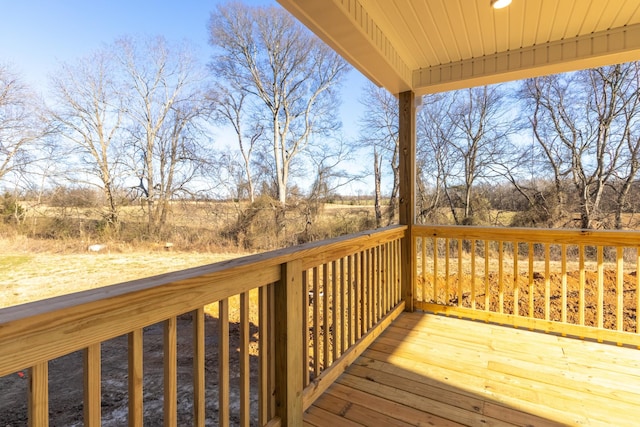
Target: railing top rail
point(77, 320)
point(532, 235)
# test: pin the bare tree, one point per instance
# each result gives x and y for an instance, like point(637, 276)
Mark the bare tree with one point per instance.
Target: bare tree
point(88, 110)
point(585, 124)
point(21, 122)
point(288, 71)
point(230, 108)
point(166, 100)
point(479, 141)
point(379, 130)
point(434, 159)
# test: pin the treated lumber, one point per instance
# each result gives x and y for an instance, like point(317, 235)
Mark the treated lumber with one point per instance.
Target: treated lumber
point(398, 410)
point(360, 414)
point(288, 344)
point(38, 399)
point(79, 320)
point(92, 382)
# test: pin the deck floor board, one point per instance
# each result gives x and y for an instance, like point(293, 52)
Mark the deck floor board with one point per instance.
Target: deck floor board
point(435, 370)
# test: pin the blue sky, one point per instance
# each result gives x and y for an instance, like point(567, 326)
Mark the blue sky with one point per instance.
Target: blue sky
point(35, 35)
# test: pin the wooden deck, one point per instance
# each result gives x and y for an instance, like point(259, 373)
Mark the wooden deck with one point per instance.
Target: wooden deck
point(434, 370)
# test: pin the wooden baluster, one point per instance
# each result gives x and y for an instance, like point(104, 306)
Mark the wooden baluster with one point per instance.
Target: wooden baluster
point(582, 280)
point(600, 302)
point(500, 277)
point(199, 402)
point(447, 260)
point(305, 327)
point(516, 283)
point(473, 274)
point(359, 296)
point(170, 373)
point(326, 360)
point(620, 289)
point(563, 248)
point(38, 399)
point(92, 380)
point(263, 360)
point(459, 272)
point(245, 372)
point(547, 282)
point(487, 287)
point(135, 340)
point(423, 248)
point(335, 311)
point(435, 270)
point(223, 363)
point(531, 282)
point(316, 323)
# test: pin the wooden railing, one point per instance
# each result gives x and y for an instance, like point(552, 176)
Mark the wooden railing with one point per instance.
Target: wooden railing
point(318, 307)
point(582, 283)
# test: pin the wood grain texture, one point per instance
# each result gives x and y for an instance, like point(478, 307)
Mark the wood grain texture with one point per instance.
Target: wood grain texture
point(92, 391)
point(451, 372)
point(407, 189)
point(170, 338)
point(288, 342)
point(38, 398)
point(199, 402)
point(135, 380)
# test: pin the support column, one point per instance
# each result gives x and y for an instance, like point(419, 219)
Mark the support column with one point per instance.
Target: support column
point(407, 139)
point(288, 344)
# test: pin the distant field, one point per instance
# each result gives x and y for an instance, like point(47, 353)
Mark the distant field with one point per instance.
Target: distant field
point(29, 277)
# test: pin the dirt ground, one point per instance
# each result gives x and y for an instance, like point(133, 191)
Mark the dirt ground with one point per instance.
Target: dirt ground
point(610, 295)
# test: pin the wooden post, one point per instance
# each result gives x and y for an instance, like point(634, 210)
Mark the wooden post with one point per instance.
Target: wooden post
point(288, 340)
point(407, 139)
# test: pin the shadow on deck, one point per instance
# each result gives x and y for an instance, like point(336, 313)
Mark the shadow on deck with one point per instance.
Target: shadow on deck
point(435, 370)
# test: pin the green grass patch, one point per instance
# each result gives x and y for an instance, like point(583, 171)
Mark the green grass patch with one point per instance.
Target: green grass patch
point(13, 261)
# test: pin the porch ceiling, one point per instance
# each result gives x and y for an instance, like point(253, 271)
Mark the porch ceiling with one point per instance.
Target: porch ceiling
point(436, 45)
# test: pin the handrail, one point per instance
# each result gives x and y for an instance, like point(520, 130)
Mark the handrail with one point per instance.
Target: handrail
point(34, 333)
point(525, 278)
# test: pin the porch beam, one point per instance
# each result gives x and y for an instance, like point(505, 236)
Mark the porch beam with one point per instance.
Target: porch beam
point(588, 51)
point(407, 170)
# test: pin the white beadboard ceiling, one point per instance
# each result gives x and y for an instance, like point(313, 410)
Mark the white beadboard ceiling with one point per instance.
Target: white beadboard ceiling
point(435, 45)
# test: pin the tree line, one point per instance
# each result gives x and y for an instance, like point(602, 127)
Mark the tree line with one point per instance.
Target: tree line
point(139, 120)
point(565, 147)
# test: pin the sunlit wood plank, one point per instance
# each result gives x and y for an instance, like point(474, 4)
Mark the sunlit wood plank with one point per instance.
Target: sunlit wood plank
point(136, 408)
point(447, 269)
point(473, 273)
point(38, 399)
point(620, 288)
point(547, 282)
point(92, 379)
point(245, 372)
point(263, 358)
point(563, 267)
point(582, 280)
point(305, 326)
point(435, 270)
point(600, 282)
point(223, 363)
point(316, 323)
point(198, 320)
point(170, 372)
point(423, 242)
point(531, 281)
point(500, 277)
point(459, 292)
point(516, 284)
point(326, 360)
